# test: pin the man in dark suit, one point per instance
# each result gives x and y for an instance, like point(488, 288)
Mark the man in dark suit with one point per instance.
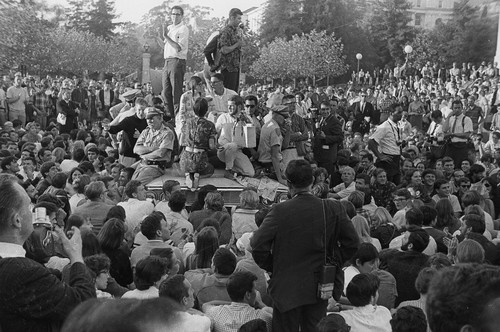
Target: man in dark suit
point(290, 244)
point(32, 298)
point(106, 97)
point(363, 114)
point(327, 136)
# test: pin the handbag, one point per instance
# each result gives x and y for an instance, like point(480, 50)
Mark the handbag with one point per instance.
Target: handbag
point(61, 119)
point(328, 271)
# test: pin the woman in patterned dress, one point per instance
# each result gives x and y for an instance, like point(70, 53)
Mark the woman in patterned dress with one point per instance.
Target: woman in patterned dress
point(196, 90)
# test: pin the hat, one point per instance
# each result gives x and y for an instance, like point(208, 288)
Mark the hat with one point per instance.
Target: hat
point(152, 111)
point(131, 94)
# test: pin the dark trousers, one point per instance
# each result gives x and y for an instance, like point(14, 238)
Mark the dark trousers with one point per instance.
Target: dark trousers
point(303, 319)
point(458, 152)
point(173, 82)
point(231, 80)
point(391, 167)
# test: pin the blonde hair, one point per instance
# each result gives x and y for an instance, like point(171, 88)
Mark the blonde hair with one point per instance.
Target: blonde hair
point(249, 199)
point(381, 216)
point(214, 201)
point(362, 228)
point(469, 251)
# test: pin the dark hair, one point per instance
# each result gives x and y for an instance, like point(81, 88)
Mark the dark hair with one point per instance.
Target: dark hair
point(439, 261)
point(236, 99)
point(70, 175)
point(224, 261)
point(349, 208)
point(445, 217)
point(475, 223)
point(365, 253)
point(169, 185)
point(111, 234)
point(361, 289)
point(46, 166)
point(476, 168)
point(173, 287)
point(129, 170)
point(470, 197)
point(49, 206)
point(299, 173)
point(97, 264)
point(207, 243)
point(148, 271)
point(409, 319)
point(418, 238)
point(200, 107)
point(177, 201)
point(149, 226)
point(235, 12)
point(167, 254)
point(90, 244)
point(333, 323)
point(239, 283)
point(117, 212)
point(131, 188)
point(429, 214)
point(252, 98)
point(74, 220)
point(414, 217)
point(254, 325)
point(403, 192)
point(202, 194)
point(179, 8)
point(424, 279)
point(59, 180)
point(127, 315)
point(460, 295)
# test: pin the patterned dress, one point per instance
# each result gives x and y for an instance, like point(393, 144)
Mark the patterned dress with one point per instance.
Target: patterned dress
point(197, 133)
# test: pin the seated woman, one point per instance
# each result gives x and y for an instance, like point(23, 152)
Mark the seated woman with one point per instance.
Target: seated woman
point(244, 214)
point(199, 137)
point(382, 227)
point(149, 273)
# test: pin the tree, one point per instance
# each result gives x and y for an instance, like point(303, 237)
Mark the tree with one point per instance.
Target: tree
point(282, 19)
point(100, 18)
point(77, 15)
point(389, 30)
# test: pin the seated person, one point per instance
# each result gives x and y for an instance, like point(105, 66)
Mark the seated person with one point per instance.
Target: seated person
point(409, 319)
point(271, 143)
point(180, 227)
point(414, 217)
point(99, 266)
point(465, 297)
point(245, 306)
point(362, 292)
point(348, 185)
point(178, 289)
point(149, 273)
point(229, 152)
point(154, 146)
point(210, 284)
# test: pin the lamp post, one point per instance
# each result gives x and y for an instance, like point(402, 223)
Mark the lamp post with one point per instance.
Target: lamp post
point(359, 56)
point(408, 49)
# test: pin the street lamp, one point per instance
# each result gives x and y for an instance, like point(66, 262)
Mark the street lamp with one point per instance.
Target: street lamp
point(146, 47)
point(359, 56)
point(408, 49)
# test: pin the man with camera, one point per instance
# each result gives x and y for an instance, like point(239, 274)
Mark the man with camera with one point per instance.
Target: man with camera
point(386, 143)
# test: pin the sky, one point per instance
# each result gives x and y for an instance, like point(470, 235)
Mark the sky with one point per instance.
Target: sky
point(132, 10)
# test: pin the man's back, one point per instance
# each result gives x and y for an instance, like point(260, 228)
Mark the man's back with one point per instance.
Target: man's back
point(230, 317)
point(295, 231)
point(32, 299)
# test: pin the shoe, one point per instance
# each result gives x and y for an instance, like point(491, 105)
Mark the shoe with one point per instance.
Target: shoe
point(228, 174)
point(189, 182)
point(196, 182)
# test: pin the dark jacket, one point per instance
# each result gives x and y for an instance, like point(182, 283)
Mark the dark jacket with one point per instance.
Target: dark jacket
point(33, 299)
point(111, 97)
point(325, 149)
point(68, 109)
point(129, 125)
point(290, 243)
point(359, 125)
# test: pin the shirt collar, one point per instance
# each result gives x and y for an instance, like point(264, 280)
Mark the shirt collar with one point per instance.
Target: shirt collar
point(9, 250)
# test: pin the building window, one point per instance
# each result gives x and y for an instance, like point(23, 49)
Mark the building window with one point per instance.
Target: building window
point(440, 4)
point(419, 19)
point(419, 3)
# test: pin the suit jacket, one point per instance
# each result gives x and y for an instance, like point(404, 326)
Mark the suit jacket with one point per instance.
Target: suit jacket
point(68, 109)
point(290, 243)
point(111, 97)
point(33, 299)
point(359, 124)
point(325, 149)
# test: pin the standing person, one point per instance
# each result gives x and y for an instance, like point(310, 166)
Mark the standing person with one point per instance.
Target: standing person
point(229, 48)
point(175, 53)
point(457, 128)
point(17, 97)
point(327, 136)
point(70, 111)
point(386, 142)
point(298, 250)
point(106, 99)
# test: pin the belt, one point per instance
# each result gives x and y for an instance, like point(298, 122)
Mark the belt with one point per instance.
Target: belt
point(194, 150)
point(291, 147)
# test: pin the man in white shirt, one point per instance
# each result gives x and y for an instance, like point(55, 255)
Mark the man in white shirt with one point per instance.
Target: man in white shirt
point(220, 96)
point(136, 207)
point(17, 97)
point(347, 187)
point(175, 51)
point(457, 128)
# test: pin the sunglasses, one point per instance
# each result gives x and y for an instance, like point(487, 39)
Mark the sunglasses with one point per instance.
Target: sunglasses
point(249, 106)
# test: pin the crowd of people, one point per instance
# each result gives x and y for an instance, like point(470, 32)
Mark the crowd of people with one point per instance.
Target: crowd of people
point(391, 221)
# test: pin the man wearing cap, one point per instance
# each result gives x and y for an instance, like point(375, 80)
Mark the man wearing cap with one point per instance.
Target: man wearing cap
point(154, 146)
point(229, 48)
point(132, 126)
point(131, 100)
point(271, 143)
point(106, 97)
point(228, 151)
point(175, 48)
point(17, 98)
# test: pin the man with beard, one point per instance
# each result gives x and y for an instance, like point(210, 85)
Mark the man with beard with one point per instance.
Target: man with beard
point(132, 127)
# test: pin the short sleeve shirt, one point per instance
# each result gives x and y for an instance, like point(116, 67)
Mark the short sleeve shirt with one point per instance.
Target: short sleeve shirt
point(13, 92)
point(270, 136)
point(387, 136)
point(162, 138)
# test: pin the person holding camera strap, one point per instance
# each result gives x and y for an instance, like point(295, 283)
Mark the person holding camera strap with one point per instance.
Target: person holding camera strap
point(457, 130)
point(386, 144)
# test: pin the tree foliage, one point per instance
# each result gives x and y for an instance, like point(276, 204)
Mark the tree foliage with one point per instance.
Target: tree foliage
point(467, 37)
point(316, 54)
point(92, 16)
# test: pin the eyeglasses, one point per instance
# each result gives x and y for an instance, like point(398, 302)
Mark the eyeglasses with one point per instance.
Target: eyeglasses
point(176, 14)
point(249, 106)
point(214, 82)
